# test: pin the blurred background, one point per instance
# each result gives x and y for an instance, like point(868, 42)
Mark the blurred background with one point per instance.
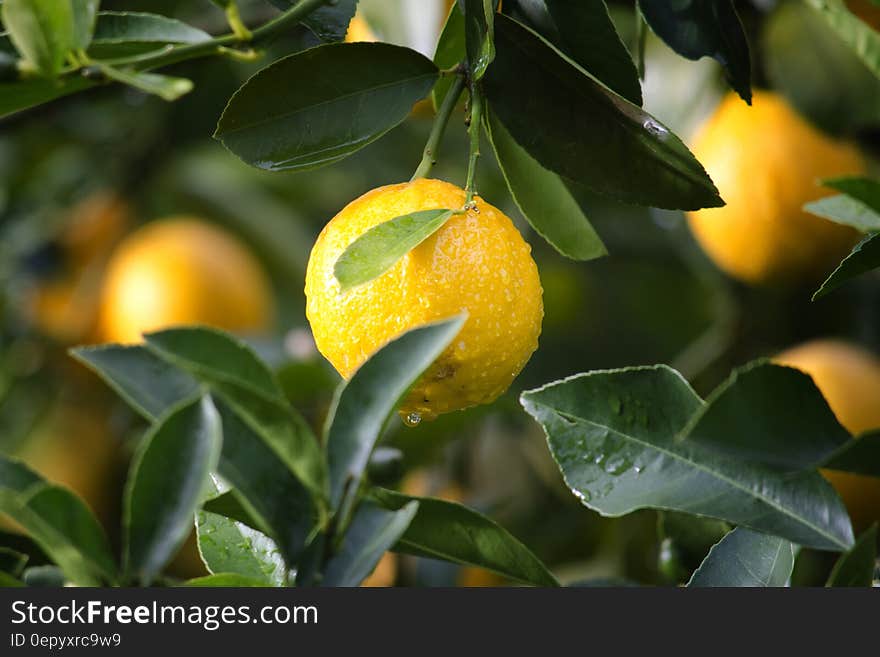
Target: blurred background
point(83, 182)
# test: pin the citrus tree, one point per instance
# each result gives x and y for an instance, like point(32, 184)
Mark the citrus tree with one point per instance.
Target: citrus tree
point(426, 299)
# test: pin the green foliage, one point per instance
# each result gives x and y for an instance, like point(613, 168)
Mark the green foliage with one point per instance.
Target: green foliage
point(42, 31)
point(856, 567)
point(376, 251)
point(746, 558)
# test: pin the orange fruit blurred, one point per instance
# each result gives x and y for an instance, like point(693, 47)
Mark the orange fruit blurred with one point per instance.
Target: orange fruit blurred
point(183, 270)
point(767, 161)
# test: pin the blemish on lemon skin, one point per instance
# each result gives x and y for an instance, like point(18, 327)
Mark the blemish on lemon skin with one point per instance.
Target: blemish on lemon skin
point(458, 268)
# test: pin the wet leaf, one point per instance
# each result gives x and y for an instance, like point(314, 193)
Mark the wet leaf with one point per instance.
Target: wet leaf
point(746, 558)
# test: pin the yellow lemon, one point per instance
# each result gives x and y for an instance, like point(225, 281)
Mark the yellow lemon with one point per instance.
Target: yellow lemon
point(359, 30)
point(767, 162)
point(182, 271)
point(849, 378)
point(384, 574)
point(477, 262)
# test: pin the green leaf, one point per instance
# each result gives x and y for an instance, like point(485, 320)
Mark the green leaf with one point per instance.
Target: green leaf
point(329, 22)
point(250, 388)
point(164, 86)
point(127, 33)
point(861, 455)
point(165, 484)
point(614, 435)
point(378, 249)
point(761, 411)
point(58, 521)
point(229, 505)
point(227, 546)
point(603, 54)
point(84, 14)
point(453, 532)
point(856, 567)
point(479, 24)
point(12, 562)
point(450, 52)
point(827, 82)
point(321, 105)
point(49, 577)
point(7, 581)
point(860, 36)
point(363, 404)
point(146, 382)
point(578, 128)
point(704, 29)
point(214, 355)
point(543, 198)
point(845, 210)
point(372, 532)
point(25, 94)
point(42, 31)
point(864, 257)
point(274, 497)
point(746, 558)
point(862, 189)
point(224, 580)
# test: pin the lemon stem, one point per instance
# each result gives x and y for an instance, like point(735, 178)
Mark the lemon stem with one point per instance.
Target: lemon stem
point(432, 146)
point(474, 123)
point(238, 27)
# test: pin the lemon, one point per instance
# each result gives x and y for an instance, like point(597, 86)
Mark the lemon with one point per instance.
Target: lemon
point(849, 378)
point(359, 31)
point(384, 574)
point(767, 162)
point(182, 271)
point(476, 263)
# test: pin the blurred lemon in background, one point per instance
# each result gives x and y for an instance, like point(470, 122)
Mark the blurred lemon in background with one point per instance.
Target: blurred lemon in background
point(767, 163)
point(849, 378)
point(182, 271)
point(359, 30)
point(65, 305)
point(477, 262)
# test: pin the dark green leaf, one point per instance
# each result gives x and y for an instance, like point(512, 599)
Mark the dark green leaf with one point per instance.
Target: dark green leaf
point(843, 209)
point(746, 558)
point(250, 388)
point(214, 355)
point(363, 404)
point(861, 455)
point(614, 435)
point(864, 257)
point(710, 28)
point(225, 580)
point(450, 52)
point(42, 31)
point(328, 23)
point(19, 96)
point(543, 198)
point(578, 128)
point(862, 189)
point(227, 546)
point(761, 411)
point(856, 567)
point(318, 106)
point(164, 86)
point(58, 521)
point(378, 249)
point(84, 14)
point(276, 500)
point(7, 581)
point(860, 36)
point(125, 33)
point(50, 577)
point(165, 484)
point(479, 24)
point(146, 382)
point(692, 535)
point(229, 505)
point(372, 532)
point(452, 532)
point(585, 32)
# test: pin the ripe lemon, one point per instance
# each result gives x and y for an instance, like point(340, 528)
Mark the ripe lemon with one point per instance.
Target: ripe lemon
point(182, 271)
point(767, 161)
point(849, 378)
point(359, 31)
point(477, 262)
point(385, 573)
